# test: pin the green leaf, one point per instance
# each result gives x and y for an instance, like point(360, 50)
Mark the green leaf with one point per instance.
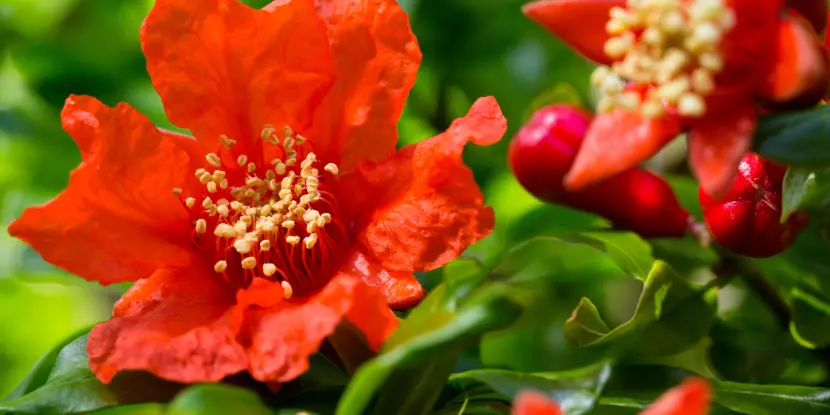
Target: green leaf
point(72, 388)
point(670, 317)
point(810, 319)
point(576, 390)
point(630, 252)
point(795, 138)
point(217, 399)
point(806, 189)
point(561, 93)
point(425, 347)
point(772, 399)
point(141, 409)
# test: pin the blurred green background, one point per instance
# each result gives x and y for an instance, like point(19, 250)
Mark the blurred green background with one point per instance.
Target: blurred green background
point(52, 48)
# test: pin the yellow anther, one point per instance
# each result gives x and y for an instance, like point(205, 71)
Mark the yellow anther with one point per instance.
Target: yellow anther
point(222, 202)
point(286, 183)
point(702, 81)
point(200, 172)
point(265, 210)
point(280, 168)
point(223, 230)
point(326, 217)
point(253, 182)
point(201, 226)
point(213, 160)
point(691, 105)
point(251, 167)
point(249, 263)
point(267, 225)
point(223, 184)
point(189, 202)
point(332, 168)
point(177, 191)
point(311, 227)
point(223, 211)
point(270, 175)
point(711, 61)
point(205, 178)
point(265, 245)
point(207, 203)
point(289, 224)
point(292, 240)
point(250, 193)
point(242, 160)
point(211, 187)
point(240, 228)
point(226, 141)
point(652, 109)
point(269, 269)
point(237, 206)
point(287, 291)
point(267, 132)
point(247, 220)
point(287, 131)
point(291, 161)
point(288, 143)
point(220, 266)
point(243, 246)
point(301, 140)
point(218, 175)
point(310, 240)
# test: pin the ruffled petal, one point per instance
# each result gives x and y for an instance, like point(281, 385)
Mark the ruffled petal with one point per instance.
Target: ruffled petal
point(221, 67)
point(616, 142)
point(716, 147)
point(118, 219)
point(283, 336)
point(401, 289)
point(578, 23)
point(534, 403)
point(801, 66)
point(421, 208)
point(690, 398)
point(181, 325)
point(376, 58)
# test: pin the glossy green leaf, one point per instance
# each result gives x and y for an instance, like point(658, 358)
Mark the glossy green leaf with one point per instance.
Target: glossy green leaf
point(810, 324)
point(630, 252)
point(806, 189)
point(425, 348)
point(773, 399)
point(72, 388)
point(576, 390)
point(140, 409)
point(795, 138)
point(217, 399)
point(670, 317)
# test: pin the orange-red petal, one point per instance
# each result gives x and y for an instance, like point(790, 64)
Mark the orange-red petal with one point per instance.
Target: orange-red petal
point(376, 58)
point(716, 147)
point(283, 336)
point(616, 142)
point(692, 397)
point(578, 23)
point(530, 402)
point(800, 66)
point(401, 289)
point(421, 208)
point(118, 219)
point(221, 67)
point(181, 325)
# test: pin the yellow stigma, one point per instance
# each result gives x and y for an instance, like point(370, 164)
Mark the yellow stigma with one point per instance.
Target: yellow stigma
point(677, 54)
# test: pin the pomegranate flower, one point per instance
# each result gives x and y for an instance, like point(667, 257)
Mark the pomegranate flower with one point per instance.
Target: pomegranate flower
point(690, 398)
point(703, 66)
point(250, 244)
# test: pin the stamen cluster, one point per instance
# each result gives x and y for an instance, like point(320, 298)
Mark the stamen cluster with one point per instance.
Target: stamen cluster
point(672, 47)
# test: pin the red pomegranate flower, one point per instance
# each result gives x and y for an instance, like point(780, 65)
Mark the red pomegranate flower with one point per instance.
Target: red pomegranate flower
point(703, 66)
point(690, 398)
point(271, 237)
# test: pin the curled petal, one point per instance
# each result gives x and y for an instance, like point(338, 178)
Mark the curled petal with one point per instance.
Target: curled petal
point(376, 58)
point(690, 398)
point(801, 66)
point(401, 289)
point(579, 23)
point(221, 67)
point(534, 403)
point(283, 336)
point(422, 208)
point(616, 142)
point(118, 219)
point(181, 325)
point(716, 147)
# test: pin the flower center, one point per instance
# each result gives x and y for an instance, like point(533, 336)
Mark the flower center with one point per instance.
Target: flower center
point(671, 47)
point(275, 220)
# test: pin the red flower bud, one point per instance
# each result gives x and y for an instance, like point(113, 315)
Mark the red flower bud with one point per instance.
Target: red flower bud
point(747, 220)
point(542, 152)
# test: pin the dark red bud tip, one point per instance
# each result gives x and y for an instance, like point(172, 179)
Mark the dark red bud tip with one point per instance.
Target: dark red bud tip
point(815, 11)
point(543, 151)
point(747, 220)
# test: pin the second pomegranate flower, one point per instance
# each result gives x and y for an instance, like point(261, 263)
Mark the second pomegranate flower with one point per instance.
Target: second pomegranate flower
point(708, 67)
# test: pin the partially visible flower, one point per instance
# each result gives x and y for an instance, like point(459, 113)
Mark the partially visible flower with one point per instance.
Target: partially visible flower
point(708, 67)
point(692, 397)
point(250, 244)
